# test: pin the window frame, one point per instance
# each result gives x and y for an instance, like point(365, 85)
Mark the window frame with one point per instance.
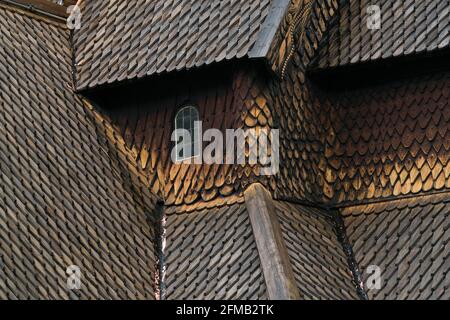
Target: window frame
point(191, 130)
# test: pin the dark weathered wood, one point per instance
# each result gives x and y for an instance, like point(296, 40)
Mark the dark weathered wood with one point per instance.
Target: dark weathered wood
point(417, 233)
point(224, 264)
point(269, 28)
point(379, 44)
point(77, 182)
point(274, 257)
point(45, 6)
point(222, 95)
point(69, 193)
point(219, 40)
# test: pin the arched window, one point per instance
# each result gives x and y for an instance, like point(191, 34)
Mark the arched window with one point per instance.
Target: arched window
point(187, 133)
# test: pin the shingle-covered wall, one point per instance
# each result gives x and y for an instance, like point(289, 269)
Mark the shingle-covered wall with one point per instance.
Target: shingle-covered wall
point(372, 141)
point(388, 140)
point(294, 101)
point(227, 97)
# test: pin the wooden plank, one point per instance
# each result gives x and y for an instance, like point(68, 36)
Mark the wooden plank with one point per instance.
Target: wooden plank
point(274, 257)
point(45, 6)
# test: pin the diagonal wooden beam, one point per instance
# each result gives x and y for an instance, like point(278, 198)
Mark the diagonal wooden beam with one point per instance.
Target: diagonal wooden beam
point(44, 6)
point(272, 250)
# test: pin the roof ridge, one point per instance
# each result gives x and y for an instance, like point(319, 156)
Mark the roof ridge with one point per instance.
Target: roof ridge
point(341, 233)
point(267, 33)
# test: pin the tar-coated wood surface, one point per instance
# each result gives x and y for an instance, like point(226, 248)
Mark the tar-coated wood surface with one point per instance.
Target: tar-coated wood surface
point(80, 179)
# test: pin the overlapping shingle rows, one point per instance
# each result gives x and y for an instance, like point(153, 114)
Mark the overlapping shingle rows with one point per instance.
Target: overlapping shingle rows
point(392, 141)
point(409, 241)
point(132, 39)
point(231, 99)
point(211, 254)
point(366, 143)
point(65, 198)
point(388, 140)
point(295, 111)
point(317, 256)
point(76, 182)
point(245, 101)
point(407, 27)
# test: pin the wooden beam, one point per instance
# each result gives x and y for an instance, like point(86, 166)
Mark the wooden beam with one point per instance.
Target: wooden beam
point(44, 6)
point(272, 250)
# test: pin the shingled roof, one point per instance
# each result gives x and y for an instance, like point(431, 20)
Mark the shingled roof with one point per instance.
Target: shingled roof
point(317, 255)
point(122, 40)
point(74, 192)
point(409, 241)
point(211, 254)
point(408, 27)
point(67, 197)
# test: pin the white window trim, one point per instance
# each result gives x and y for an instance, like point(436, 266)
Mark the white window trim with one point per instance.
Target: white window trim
point(185, 159)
